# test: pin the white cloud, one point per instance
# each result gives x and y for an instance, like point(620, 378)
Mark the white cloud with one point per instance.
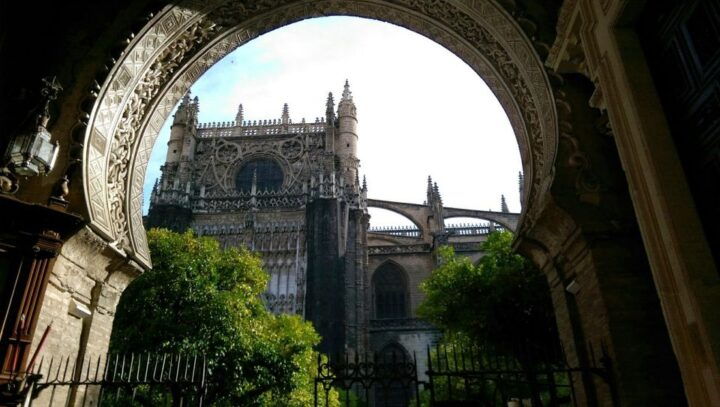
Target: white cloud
point(421, 110)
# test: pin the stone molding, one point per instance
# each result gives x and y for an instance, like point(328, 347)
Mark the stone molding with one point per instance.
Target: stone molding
point(400, 324)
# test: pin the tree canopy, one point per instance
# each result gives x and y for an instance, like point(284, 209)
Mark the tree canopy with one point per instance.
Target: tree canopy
point(201, 299)
point(503, 301)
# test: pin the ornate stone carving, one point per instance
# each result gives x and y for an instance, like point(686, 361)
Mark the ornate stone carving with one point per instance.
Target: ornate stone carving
point(136, 108)
point(397, 249)
point(181, 43)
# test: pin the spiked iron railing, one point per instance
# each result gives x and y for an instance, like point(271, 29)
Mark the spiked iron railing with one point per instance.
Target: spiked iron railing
point(457, 376)
point(118, 379)
point(378, 379)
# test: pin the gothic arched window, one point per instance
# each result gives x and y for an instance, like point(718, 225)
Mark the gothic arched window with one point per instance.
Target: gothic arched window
point(389, 292)
point(269, 175)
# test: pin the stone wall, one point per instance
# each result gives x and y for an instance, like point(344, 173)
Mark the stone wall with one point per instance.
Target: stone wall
point(90, 274)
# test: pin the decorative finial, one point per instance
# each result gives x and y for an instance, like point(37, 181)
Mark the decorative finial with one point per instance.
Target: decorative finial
point(286, 114)
point(521, 186)
point(52, 88)
point(347, 95)
point(330, 104)
point(364, 185)
point(62, 188)
point(239, 117)
point(503, 204)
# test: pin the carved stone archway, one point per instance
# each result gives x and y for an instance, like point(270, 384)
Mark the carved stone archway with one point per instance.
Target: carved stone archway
point(182, 41)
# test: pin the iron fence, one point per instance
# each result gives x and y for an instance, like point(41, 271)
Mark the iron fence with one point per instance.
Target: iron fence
point(389, 379)
point(116, 380)
point(456, 376)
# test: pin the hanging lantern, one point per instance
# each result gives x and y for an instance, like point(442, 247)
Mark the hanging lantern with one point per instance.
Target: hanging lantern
point(32, 152)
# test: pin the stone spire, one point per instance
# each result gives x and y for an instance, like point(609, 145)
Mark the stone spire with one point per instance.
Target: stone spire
point(153, 194)
point(346, 95)
point(429, 191)
point(436, 221)
point(330, 109)
point(195, 108)
point(503, 204)
point(239, 116)
point(521, 186)
point(285, 114)
point(184, 110)
point(436, 192)
point(364, 184)
point(346, 137)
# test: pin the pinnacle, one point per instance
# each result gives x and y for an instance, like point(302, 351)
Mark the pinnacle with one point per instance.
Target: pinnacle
point(503, 204)
point(330, 104)
point(347, 95)
point(286, 114)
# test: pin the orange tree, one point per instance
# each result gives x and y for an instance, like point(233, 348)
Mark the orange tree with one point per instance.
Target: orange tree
point(201, 299)
point(502, 304)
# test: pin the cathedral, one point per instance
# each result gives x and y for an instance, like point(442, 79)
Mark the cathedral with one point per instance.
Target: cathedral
point(614, 104)
point(291, 191)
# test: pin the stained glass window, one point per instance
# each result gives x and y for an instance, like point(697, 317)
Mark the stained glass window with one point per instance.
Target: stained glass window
point(269, 175)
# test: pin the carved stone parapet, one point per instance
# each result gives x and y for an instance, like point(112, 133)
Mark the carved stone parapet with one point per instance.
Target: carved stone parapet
point(404, 249)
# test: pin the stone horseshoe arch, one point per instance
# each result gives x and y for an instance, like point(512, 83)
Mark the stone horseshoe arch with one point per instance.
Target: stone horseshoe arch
point(182, 41)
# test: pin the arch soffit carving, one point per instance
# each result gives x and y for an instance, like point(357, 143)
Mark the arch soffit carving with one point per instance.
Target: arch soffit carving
point(183, 41)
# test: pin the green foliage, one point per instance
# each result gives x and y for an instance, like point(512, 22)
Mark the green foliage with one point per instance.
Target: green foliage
point(458, 352)
point(503, 302)
point(201, 299)
point(501, 310)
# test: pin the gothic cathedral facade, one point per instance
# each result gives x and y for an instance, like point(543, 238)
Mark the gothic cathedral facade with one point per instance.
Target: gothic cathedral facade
point(292, 192)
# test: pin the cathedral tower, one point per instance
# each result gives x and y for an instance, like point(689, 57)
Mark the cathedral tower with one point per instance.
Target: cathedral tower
point(171, 197)
point(347, 138)
point(181, 146)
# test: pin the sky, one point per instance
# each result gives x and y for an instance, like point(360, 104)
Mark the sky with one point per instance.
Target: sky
point(421, 110)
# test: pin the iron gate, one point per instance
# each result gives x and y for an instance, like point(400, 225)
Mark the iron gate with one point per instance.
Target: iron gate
point(456, 376)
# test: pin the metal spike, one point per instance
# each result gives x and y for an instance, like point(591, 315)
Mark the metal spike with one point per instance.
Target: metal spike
point(67, 364)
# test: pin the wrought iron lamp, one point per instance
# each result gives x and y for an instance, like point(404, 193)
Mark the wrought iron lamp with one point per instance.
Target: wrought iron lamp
point(32, 152)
